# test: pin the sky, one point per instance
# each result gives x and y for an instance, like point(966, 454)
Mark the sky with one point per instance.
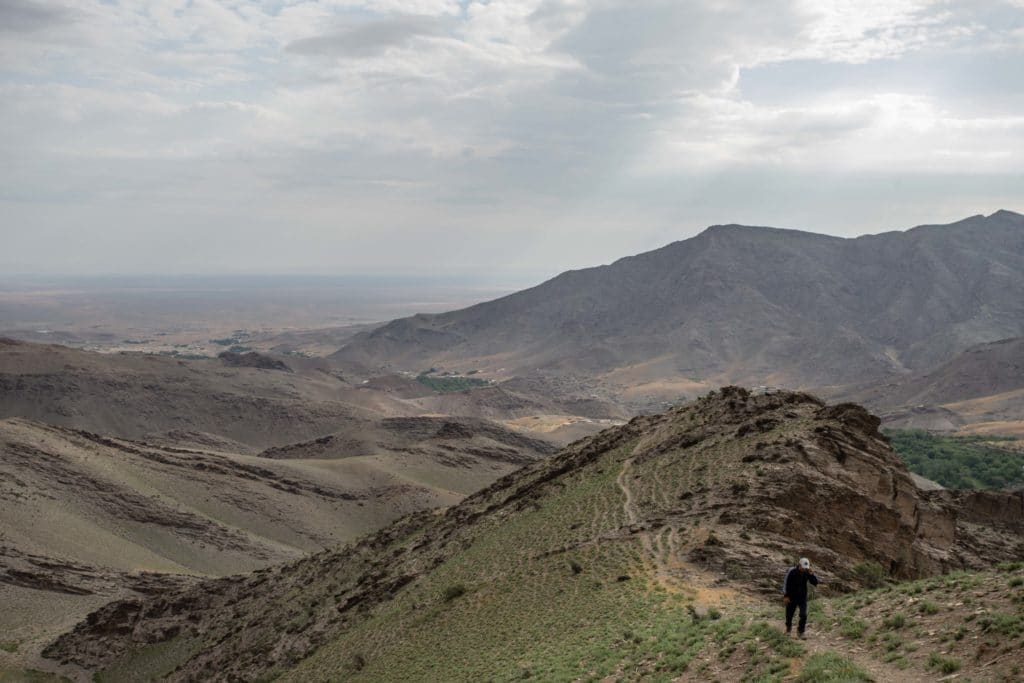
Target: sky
point(511, 138)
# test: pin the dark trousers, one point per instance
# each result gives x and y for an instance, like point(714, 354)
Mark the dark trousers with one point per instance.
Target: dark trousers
point(791, 609)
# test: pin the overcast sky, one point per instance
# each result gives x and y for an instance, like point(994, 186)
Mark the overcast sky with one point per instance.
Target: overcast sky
point(519, 137)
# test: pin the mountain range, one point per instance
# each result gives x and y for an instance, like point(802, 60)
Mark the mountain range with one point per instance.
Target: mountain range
point(738, 304)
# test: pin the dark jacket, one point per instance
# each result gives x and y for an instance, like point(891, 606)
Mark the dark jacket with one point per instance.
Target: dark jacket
point(794, 586)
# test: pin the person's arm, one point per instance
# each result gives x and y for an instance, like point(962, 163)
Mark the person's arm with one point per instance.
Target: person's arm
point(812, 578)
point(786, 588)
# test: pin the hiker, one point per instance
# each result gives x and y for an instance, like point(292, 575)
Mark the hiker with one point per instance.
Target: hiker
point(794, 593)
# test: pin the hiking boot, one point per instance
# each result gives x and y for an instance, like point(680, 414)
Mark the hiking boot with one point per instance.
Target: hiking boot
point(800, 635)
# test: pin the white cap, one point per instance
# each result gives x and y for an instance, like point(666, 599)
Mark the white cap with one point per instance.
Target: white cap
point(805, 563)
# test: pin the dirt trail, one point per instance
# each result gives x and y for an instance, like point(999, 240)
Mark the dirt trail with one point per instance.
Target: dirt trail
point(662, 553)
point(661, 558)
point(821, 641)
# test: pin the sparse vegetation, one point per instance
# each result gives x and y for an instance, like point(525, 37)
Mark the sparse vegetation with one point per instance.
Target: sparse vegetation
point(449, 384)
point(831, 667)
point(964, 462)
point(943, 664)
point(871, 574)
point(895, 621)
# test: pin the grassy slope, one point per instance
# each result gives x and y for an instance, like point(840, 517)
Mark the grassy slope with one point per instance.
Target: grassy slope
point(561, 573)
point(967, 622)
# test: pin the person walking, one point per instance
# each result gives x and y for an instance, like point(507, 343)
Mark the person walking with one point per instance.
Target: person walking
point(794, 593)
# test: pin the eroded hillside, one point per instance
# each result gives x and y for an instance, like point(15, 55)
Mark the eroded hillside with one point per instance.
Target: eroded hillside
point(666, 521)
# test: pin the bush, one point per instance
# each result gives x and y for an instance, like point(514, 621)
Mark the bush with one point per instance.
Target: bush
point(928, 607)
point(895, 621)
point(943, 664)
point(870, 574)
point(452, 592)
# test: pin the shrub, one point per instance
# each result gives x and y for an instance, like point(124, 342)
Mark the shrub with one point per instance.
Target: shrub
point(895, 621)
point(928, 607)
point(871, 574)
point(1017, 581)
point(452, 592)
point(943, 664)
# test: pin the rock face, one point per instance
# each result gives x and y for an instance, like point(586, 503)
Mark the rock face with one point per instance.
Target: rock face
point(733, 485)
point(743, 304)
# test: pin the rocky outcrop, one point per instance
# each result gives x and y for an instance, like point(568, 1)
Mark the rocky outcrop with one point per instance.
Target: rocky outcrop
point(252, 359)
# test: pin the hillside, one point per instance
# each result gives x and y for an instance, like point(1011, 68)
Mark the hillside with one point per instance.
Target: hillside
point(643, 550)
point(86, 518)
point(143, 396)
point(738, 304)
point(246, 403)
point(978, 391)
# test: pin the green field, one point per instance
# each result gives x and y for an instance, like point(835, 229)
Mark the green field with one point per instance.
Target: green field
point(959, 462)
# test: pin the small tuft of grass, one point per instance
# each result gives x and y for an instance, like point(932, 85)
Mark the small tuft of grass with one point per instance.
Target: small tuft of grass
point(9, 646)
point(831, 667)
point(852, 627)
point(928, 607)
point(943, 664)
point(894, 621)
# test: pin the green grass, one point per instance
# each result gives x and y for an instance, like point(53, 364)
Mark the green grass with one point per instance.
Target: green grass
point(830, 667)
point(961, 462)
point(852, 627)
point(8, 646)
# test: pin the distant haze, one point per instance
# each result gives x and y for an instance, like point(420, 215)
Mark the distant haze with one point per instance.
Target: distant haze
point(513, 138)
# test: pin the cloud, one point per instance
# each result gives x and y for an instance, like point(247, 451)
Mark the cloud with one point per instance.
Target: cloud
point(369, 38)
point(548, 114)
point(19, 16)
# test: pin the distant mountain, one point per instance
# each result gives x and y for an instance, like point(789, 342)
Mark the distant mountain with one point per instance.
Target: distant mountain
point(979, 390)
point(651, 551)
point(735, 303)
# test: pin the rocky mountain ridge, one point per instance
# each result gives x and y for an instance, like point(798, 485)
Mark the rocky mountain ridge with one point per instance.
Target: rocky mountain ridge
point(739, 304)
point(711, 498)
